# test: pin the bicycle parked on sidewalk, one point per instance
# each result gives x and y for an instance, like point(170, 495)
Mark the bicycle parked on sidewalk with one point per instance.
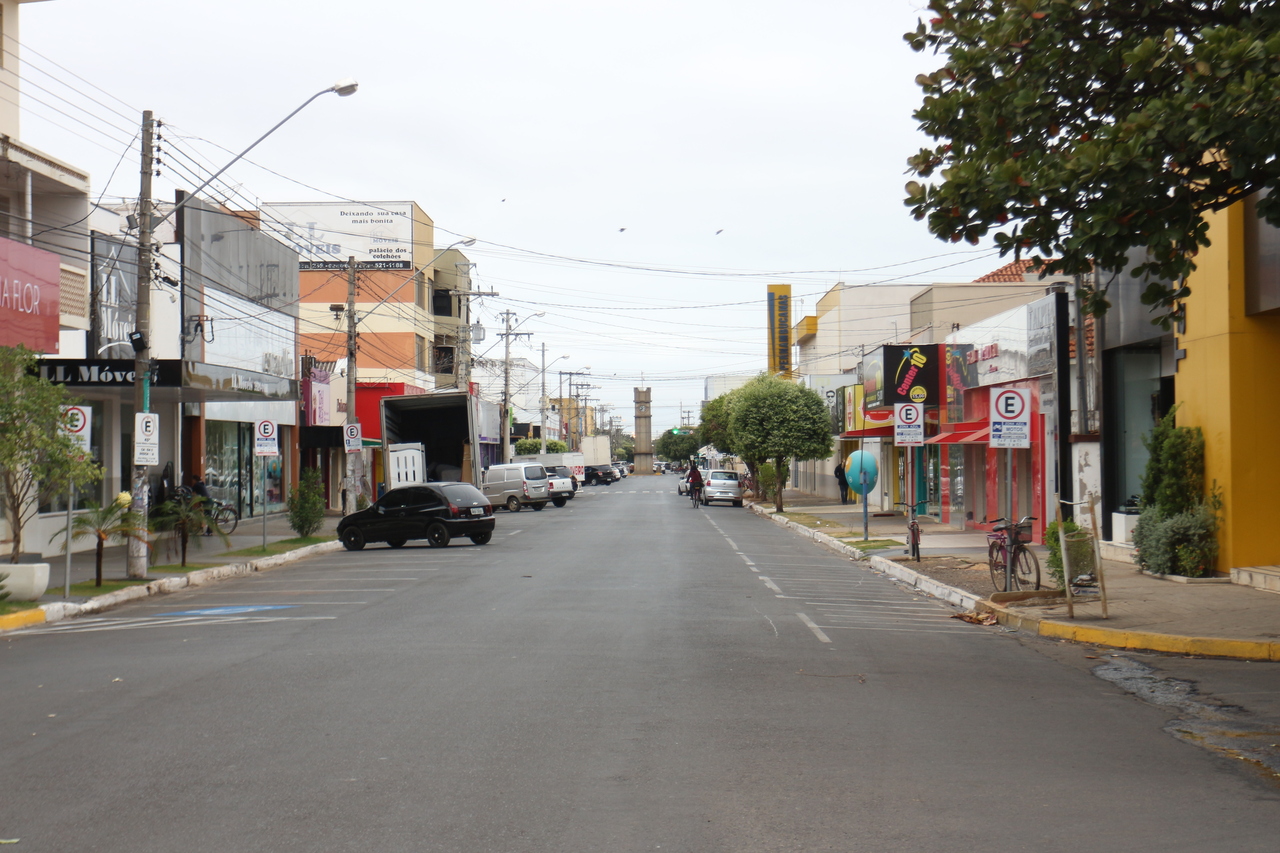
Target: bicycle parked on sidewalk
point(1012, 563)
point(913, 532)
point(221, 515)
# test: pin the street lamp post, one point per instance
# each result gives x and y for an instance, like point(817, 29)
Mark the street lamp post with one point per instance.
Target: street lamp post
point(136, 562)
point(542, 430)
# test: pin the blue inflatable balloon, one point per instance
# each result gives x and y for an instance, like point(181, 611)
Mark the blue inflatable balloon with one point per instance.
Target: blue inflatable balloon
point(858, 462)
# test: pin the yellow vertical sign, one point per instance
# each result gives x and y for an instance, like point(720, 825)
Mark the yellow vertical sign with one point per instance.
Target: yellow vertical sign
point(780, 330)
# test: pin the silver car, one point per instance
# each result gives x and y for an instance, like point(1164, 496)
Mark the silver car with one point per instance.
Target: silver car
point(721, 485)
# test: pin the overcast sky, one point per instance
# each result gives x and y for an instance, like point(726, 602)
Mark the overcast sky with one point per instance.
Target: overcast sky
point(738, 144)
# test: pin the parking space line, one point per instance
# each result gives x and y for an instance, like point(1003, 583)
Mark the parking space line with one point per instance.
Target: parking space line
point(817, 632)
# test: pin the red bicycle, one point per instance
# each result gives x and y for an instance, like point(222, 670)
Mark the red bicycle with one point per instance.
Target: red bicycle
point(1012, 564)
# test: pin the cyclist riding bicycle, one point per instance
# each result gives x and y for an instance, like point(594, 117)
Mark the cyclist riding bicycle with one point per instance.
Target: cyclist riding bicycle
point(695, 482)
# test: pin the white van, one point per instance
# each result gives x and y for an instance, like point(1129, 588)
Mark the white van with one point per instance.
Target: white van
point(515, 485)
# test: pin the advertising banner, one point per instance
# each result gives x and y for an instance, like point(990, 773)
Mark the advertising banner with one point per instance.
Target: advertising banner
point(901, 373)
point(30, 287)
point(779, 301)
point(379, 235)
point(115, 297)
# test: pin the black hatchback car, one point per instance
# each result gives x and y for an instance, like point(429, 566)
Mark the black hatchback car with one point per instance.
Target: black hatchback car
point(436, 512)
point(600, 475)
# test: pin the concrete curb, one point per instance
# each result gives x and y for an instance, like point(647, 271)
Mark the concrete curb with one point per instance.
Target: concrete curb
point(60, 610)
point(1118, 638)
point(924, 583)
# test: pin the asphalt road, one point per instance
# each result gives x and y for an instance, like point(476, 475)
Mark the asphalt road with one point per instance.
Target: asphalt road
point(627, 673)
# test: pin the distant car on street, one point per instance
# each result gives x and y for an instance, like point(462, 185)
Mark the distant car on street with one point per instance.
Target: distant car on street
point(599, 475)
point(437, 512)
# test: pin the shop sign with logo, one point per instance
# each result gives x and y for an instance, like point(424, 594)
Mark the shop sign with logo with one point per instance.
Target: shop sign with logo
point(30, 289)
point(901, 373)
point(779, 305)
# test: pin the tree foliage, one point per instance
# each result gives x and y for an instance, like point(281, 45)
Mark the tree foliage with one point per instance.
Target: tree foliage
point(776, 420)
point(530, 446)
point(306, 503)
point(114, 522)
point(38, 460)
point(677, 448)
point(715, 423)
point(1081, 129)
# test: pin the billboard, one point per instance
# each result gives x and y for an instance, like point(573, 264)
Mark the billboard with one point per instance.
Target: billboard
point(30, 287)
point(115, 297)
point(902, 373)
point(779, 301)
point(379, 235)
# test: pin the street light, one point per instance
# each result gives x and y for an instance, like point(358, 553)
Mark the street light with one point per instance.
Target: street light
point(136, 564)
point(542, 434)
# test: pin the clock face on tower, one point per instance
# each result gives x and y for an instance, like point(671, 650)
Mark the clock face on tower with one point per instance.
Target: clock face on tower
point(642, 408)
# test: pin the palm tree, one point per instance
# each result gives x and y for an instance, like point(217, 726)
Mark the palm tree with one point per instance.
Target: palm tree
point(114, 522)
point(185, 517)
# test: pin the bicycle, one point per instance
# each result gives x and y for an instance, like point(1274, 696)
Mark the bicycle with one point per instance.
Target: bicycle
point(913, 532)
point(1012, 564)
point(220, 515)
point(695, 495)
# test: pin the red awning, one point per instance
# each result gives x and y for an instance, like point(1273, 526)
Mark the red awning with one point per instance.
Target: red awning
point(869, 432)
point(961, 437)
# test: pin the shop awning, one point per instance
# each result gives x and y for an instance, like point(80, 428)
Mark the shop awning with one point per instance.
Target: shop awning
point(869, 432)
point(961, 437)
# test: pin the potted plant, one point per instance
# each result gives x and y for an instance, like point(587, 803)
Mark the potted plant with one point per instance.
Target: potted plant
point(38, 460)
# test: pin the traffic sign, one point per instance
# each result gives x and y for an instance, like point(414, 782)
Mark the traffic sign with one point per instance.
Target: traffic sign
point(265, 439)
point(908, 424)
point(351, 438)
point(1011, 418)
point(146, 438)
point(77, 422)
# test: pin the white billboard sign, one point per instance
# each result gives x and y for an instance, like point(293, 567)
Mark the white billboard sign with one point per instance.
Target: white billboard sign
point(1011, 418)
point(379, 235)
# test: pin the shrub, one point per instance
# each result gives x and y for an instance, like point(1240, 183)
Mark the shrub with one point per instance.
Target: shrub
point(1181, 544)
point(306, 503)
point(1081, 551)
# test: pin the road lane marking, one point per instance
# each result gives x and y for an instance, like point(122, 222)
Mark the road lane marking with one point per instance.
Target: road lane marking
point(773, 586)
point(817, 632)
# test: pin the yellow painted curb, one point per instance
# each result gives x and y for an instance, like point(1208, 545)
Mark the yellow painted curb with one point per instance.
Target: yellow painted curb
point(21, 619)
point(1149, 641)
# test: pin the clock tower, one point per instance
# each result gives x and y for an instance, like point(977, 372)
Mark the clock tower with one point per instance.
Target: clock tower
point(644, 432)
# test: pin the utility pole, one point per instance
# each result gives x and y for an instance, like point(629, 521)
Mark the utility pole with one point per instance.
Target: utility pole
point(353, 465)
point(542, 403)
point(506, 336)
point(136, 560)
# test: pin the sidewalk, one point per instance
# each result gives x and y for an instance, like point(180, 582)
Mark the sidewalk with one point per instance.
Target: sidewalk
point(1146, 613)
point(208, 559)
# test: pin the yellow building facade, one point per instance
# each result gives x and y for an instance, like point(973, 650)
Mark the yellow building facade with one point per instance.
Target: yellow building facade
point(1226, 382)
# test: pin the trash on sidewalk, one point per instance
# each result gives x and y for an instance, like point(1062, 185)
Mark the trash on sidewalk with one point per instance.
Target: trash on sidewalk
point(975, 618)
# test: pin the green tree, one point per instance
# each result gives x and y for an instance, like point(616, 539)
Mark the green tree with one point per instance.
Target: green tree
point(38, 460)
point(530, 446)
point(677, 448)
point(114, 522)
point(306, 503)
point(715, 423)
point(776, 420)
point(1081, 129)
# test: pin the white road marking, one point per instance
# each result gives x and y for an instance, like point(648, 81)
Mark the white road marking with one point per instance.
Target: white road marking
point(773, 586)
point(817, 632)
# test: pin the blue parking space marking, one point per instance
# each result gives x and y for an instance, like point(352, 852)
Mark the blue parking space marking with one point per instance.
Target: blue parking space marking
point(230, 610)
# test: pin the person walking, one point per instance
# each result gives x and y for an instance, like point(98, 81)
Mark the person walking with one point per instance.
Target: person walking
point(842, 483)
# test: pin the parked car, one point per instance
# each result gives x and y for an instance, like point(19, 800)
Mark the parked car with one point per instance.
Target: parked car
point(516, 484)
point(560, 485)
point(621, 468)
point(682, 487)
point(437, 512)
point(599, 475)
point(721, 485)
